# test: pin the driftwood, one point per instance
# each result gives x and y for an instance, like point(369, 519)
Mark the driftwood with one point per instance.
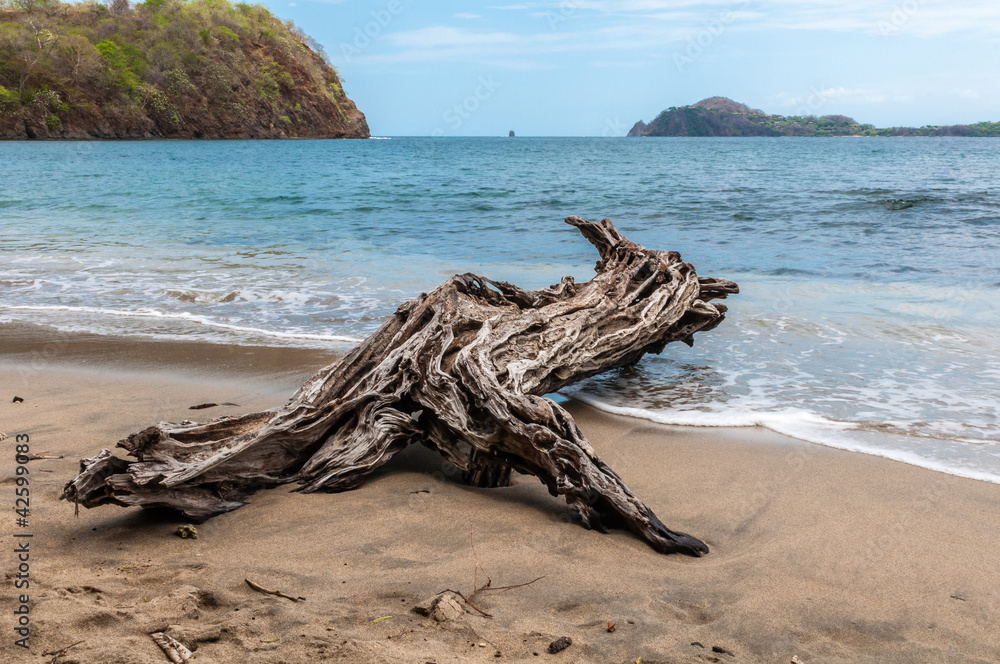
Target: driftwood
point(463, 370)
point(175, 651)
point(276, 593)
point(60, 652)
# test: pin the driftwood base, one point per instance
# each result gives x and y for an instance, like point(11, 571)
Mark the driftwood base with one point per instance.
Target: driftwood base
point(462, 370)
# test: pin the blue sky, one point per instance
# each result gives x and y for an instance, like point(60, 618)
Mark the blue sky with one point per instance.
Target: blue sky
point(595, 67)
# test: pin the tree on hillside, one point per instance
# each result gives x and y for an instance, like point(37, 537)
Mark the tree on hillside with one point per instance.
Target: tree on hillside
point(161, 66)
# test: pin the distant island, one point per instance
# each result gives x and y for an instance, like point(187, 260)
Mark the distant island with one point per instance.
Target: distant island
point(720, 116)
point(165, 69)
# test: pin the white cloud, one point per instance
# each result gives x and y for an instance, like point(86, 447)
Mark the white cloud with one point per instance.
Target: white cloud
point(919, 17)
point(649, 29)
point(819, 100)
point(443, 36)
point(518, 64)
point(440, 44)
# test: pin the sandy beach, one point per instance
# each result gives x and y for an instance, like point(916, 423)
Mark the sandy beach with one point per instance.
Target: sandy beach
point(820, 554)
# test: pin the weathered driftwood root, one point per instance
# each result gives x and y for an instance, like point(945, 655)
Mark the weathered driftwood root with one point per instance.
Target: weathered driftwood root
point(462, 370)
point(175, 651)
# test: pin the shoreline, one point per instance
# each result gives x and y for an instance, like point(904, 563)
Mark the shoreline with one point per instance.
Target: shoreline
point(824, 554)
point(27, 347)
point(899, 456)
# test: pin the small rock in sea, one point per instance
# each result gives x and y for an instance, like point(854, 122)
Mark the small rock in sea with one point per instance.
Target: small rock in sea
point(188, 531)
point(560, 644)
point(17, 400)
point(722, 651)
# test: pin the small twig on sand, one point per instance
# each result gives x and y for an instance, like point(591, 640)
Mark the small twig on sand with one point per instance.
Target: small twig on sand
point(173, 648)
point(278, 593)
point(42, 456)
point(466, 600)
point(56, 654)
point(486, 587)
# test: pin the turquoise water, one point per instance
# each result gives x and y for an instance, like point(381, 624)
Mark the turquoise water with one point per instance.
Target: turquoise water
point(870, 268)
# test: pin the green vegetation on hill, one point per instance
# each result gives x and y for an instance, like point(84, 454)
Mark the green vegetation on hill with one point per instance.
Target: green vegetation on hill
point(171, 68)
point(719, 116)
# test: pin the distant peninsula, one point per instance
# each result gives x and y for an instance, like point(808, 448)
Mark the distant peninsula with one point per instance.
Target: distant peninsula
point(164, 69)
point(720, 116)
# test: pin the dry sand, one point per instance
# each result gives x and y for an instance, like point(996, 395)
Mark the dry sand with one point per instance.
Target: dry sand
point(825, 555)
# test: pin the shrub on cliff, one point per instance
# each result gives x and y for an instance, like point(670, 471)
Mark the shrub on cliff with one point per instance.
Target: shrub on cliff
point(163, 68)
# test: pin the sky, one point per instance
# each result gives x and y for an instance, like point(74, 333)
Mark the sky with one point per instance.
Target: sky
point(595, 67)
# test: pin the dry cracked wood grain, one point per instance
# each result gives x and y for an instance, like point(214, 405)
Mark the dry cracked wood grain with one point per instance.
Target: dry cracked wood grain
point(462, 370)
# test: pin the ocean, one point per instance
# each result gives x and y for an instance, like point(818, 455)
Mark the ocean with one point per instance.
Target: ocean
point(869, 317)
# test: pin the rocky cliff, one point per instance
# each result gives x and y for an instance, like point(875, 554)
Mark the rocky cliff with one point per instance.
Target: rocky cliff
point(165, 69)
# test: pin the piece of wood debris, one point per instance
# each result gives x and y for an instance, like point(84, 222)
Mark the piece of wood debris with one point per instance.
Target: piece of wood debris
point(202, 406)
point(277, 593)
point(442, 607)
point(56, 654)
point(42, 456)
point(174, 649)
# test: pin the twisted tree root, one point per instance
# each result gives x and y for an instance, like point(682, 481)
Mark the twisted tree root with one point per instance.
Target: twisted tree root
point(463, 370)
